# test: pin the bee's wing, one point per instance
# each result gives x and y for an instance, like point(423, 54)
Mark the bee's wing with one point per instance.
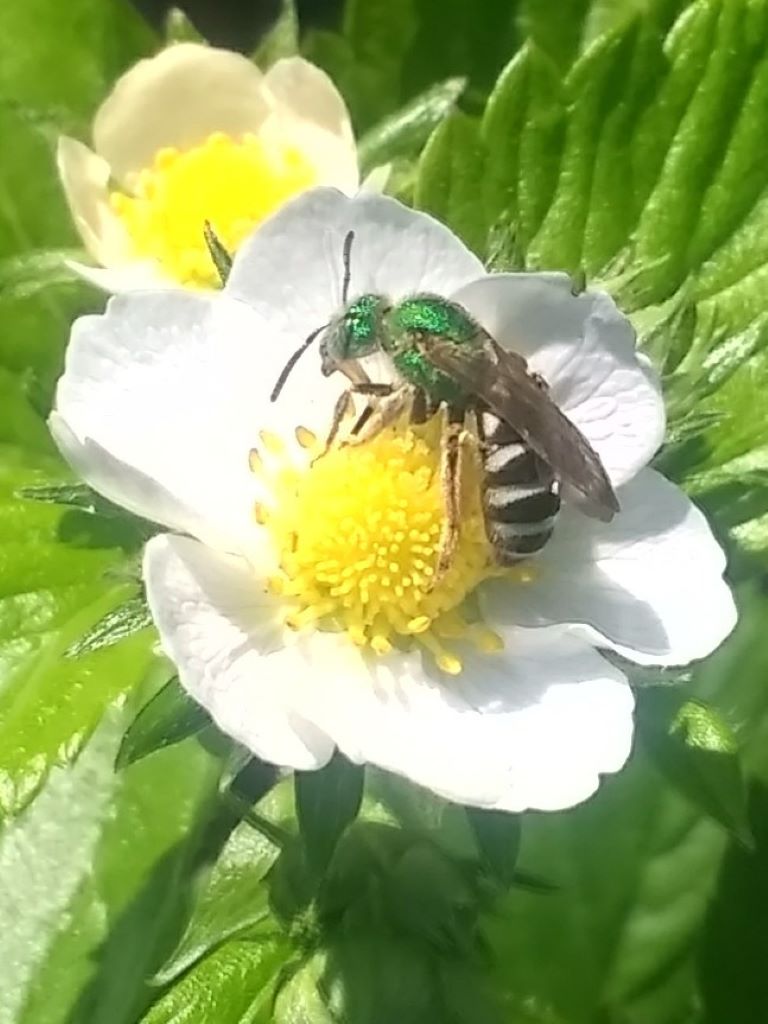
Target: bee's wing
point(501, 379)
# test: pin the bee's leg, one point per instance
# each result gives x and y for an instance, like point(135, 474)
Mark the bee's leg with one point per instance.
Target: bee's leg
point(381, 414)
point(452, 442)
point(345, 407)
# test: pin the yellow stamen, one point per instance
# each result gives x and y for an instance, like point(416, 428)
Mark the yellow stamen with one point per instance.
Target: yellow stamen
point(234, 183)
point(305, 437)
point(357, 531)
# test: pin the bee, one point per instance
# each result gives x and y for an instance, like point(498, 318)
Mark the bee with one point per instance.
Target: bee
point(443, 360)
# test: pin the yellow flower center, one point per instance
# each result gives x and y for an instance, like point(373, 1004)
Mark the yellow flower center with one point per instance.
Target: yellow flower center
point(233, 183)
point(358, 533)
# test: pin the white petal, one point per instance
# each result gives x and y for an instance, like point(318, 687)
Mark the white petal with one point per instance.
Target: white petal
point(310, 114)
point(171, 384)
point(222, 631)
point(585, 350)
point(177, 98)
point(85, 179)
point(291, 267)
point(532, 727)
point(648, 585)
point(121, 483)
point(309, 94)
point(141, 275)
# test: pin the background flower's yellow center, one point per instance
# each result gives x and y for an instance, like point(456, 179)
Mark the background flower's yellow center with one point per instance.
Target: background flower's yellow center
point(232, 183)
point(358, 535)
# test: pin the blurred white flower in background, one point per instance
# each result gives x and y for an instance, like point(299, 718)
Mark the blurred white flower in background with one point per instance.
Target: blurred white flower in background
point(294, 596)
point(194, 134)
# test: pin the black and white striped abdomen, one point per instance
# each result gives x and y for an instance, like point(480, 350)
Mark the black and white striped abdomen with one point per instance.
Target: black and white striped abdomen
point(520, 492)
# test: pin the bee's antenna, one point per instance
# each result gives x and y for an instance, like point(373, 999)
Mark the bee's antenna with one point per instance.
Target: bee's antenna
point(296, 356)
point(286, 370)
point(347, 268)
point(220, 257)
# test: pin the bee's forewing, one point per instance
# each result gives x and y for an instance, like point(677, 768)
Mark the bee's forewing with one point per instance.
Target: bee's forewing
point(501, 379)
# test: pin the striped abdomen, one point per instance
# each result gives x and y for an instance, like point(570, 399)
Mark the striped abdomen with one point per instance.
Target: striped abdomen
point(520, 492)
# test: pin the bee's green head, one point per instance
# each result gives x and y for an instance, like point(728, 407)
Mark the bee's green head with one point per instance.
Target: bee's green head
point(355, 334)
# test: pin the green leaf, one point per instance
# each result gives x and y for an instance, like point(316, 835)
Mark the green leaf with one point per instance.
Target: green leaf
point(446, 185)
point(54, 588)
point(734, 945)
point(404, 133)
point(327, 800)
point(92, 41)
point(697, 751)
point(168, 718)
point(390, 52)
point(233, 902)
point(234, 985)
point(299, 999)
point(498, 839)
point(94, 881)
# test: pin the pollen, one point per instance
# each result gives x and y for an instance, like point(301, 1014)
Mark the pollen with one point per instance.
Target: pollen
point(358, 536)
point(234, 183)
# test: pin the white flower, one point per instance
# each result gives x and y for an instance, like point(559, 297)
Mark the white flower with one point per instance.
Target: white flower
point(166, 393)
point(193, 134)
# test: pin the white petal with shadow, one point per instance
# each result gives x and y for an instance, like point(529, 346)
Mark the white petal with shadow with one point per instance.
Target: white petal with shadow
point(171, 385)
point(222, 630)
point(648, 585)
point(85, 180)
point(531, 727)
point(584, 348)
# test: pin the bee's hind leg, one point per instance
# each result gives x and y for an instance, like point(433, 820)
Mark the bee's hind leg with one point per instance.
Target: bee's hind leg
point(453, 440)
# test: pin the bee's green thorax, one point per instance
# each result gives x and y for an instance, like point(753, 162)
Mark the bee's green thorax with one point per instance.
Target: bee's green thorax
point(432, 316)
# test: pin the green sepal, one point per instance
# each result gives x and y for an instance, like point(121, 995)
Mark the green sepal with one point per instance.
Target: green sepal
point(327, 801)
point(433, 898)
point(281, 39)
point(403, 133)
point(127, 619)
point(168, 718)
point(498, 835)
point(696, 750)
point(73, 495)
point(180, 29)
point(220, 256)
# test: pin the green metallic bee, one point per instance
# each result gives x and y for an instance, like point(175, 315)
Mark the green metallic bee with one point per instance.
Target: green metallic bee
point(444, 360)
